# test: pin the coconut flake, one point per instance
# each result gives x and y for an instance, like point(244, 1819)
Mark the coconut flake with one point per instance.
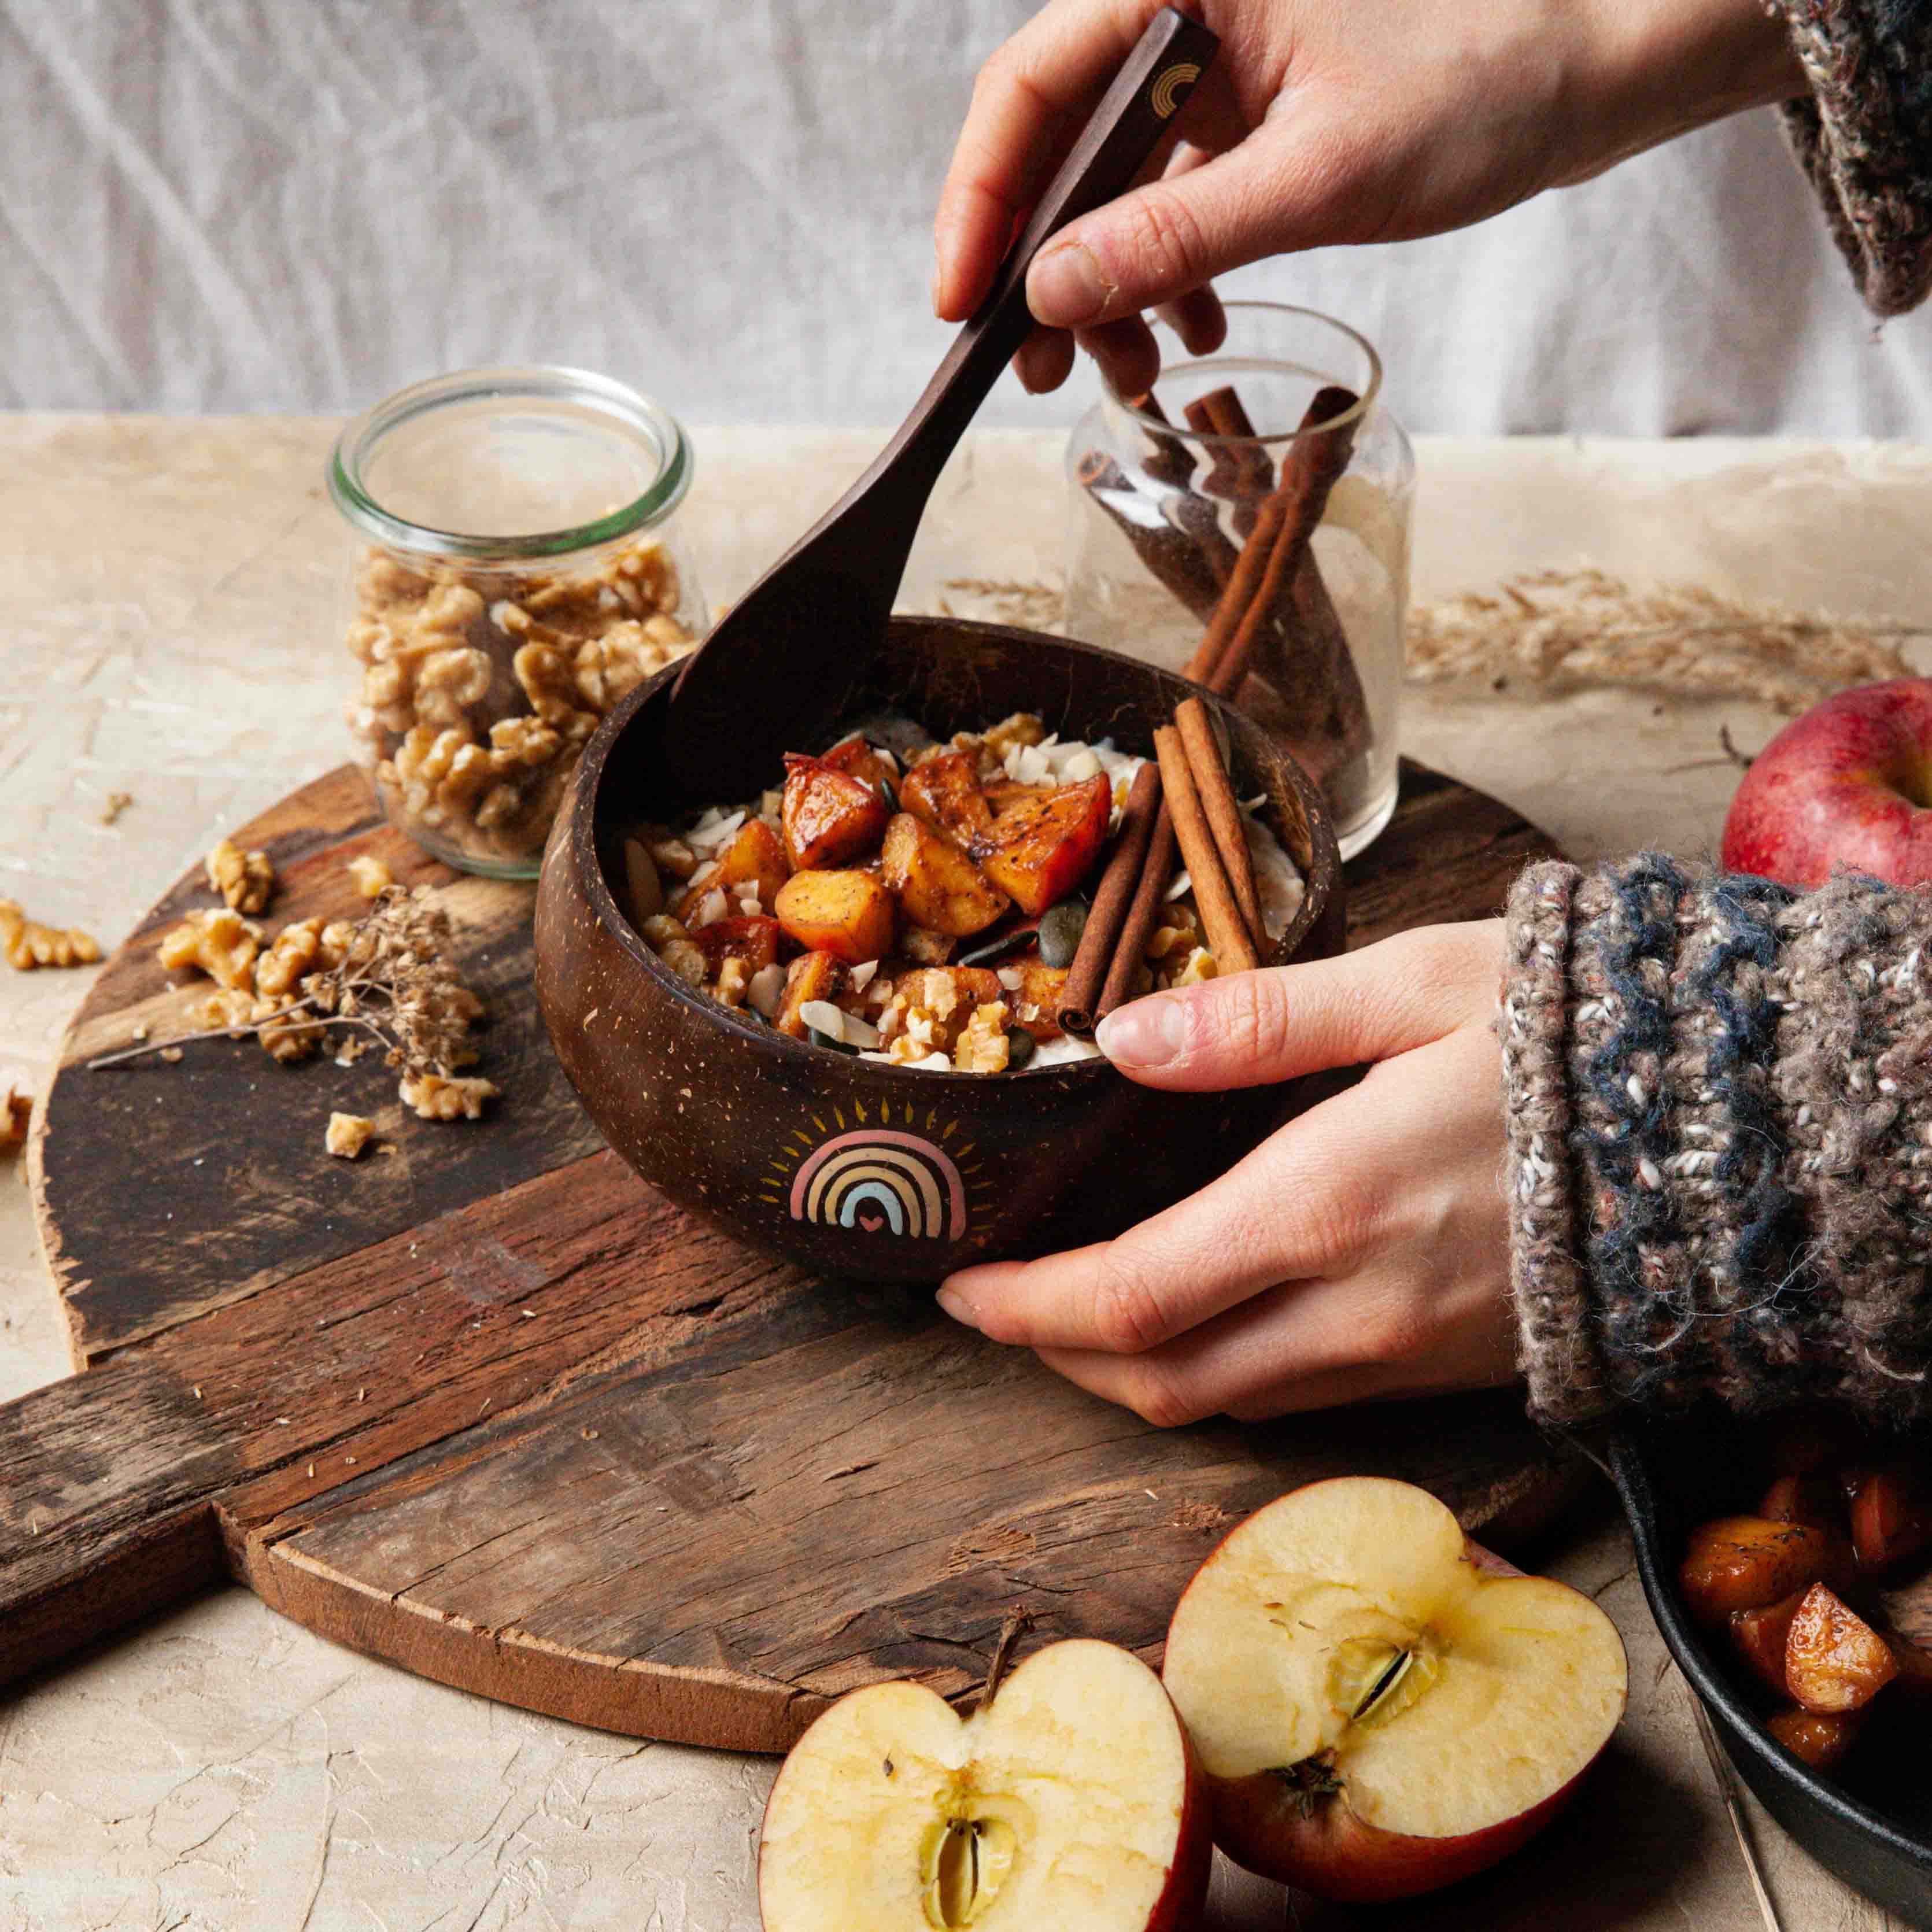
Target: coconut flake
point(766, 988)
point(862, 975)
point(822, 1016)
point(1012, 978)
point(1179, 883)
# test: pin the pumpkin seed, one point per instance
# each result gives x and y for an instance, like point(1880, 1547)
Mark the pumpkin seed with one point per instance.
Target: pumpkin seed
point(1060, 931)
point(1020, 1045)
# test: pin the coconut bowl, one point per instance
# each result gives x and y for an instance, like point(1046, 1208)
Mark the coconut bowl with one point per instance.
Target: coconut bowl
point(854, 1167)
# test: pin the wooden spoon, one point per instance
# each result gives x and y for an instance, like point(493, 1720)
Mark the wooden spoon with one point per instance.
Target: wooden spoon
point(781, 666)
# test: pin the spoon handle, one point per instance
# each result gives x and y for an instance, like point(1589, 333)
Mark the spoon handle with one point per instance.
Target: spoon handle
point(1148, 91)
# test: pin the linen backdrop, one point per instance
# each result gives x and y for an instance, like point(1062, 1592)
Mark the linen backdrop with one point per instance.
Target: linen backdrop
point(240, 205)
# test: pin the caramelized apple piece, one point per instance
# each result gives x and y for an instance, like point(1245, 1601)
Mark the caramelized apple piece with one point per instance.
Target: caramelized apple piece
point(812, 976)
point(850, 915)
point(940, 887)
point(944, 791)
point(924, 947)
point(754, 939)
point(1820, 1738)
point(1834, 1659)
point(1004, 794)
point(1040, 851)
point(829, 815)
point(1891, 1516)
point(1036, 1001)
point(1816, 1500)
point(754, 857)
point(1743, 1562)
point(1759, 1637)
point(857, 759)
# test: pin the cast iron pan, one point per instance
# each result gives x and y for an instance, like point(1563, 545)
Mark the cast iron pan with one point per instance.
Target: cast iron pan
point(1672, 1475)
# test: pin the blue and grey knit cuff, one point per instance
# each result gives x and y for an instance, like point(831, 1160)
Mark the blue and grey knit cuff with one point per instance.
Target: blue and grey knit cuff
point(1865, 136)
point(1719, 1101)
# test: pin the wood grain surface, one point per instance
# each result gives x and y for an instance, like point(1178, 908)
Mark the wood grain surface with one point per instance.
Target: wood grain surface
point(489, 1407)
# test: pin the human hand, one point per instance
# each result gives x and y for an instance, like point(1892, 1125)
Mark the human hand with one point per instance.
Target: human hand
point(1362, 1250)
point(1322, 121)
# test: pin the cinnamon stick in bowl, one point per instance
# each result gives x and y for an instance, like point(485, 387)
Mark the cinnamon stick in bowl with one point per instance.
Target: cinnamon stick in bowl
point(1222, 810)
point(1080, 998)
point(1227, 930)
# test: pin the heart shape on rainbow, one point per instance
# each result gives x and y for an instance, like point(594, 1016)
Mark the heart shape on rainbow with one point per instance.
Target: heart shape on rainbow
point(876, 1180)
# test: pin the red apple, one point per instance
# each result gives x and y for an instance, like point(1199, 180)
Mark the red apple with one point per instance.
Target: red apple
point(1382, 1707)
point(1072, 1802)
point(1848, 784)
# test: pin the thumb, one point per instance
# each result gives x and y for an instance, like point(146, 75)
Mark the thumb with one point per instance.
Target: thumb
point(1251, 1028)
point(1158, 241)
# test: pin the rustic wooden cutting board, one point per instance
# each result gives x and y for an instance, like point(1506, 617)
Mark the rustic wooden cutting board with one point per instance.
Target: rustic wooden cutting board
point(490, 1408)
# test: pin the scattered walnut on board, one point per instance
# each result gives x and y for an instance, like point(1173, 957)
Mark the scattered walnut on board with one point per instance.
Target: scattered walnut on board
point(17, 1111)
point(435, 1098)
point(370, 875)
point(348, 1134)
point(219, 942)
point(27, 944)
point(246, 881)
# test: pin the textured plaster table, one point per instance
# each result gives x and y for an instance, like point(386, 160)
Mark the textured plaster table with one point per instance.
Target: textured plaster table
point(172, 632)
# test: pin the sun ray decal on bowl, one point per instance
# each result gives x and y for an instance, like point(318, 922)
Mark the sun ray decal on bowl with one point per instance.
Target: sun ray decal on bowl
point(874, 1180)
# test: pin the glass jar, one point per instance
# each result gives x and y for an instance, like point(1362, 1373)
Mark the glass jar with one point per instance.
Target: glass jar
point(1160, 503)
point(516, 571)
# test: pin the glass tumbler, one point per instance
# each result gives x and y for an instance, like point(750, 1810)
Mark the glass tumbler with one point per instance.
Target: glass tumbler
point(517, 568)
point(1163, 492)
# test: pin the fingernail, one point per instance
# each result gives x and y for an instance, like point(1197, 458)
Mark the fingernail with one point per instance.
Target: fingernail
point(1149, 1033)
point(1065, 286)
point(956, 1305)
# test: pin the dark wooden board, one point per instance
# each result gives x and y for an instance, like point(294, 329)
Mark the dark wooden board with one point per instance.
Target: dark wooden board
point(490, 1407)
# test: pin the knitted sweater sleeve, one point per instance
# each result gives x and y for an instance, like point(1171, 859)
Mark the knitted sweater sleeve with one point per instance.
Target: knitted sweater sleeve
point(1863, 136)
point(1720, 1102)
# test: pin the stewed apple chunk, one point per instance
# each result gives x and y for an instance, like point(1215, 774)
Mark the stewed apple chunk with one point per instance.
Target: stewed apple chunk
point(829, 815)
point(754, 939)
point(1759, 1637)
point(1820, 1737)
point(812, 976)
point(944, 791)
point(755, 857)
point(1040, 850)
point(858, 759)
point(850, 915)
point(1744, 1562)
point(1834, 1659)
point(940, 888)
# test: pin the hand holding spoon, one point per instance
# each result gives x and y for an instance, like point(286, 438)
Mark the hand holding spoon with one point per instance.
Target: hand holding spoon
point(776, 672)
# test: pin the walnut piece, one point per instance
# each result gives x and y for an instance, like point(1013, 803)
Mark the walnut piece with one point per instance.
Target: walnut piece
point(245, 879)
point(27, 944)
point(220, 942)
point(983, 1047)
point(480, 686)
point(435, 1098)
point(370, 875)
point(347, 1135)
point(16, 1110)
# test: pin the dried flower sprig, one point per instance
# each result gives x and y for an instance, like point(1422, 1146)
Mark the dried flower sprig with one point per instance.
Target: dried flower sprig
point(1567, 630)
point(394, 981)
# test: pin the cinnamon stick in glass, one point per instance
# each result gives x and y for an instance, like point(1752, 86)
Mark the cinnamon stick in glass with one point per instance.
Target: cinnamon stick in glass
point(1180, 561)
point(1223, 812)
point(1227, 932)
point(1080, 996)
point(1150, 897)
point(1243, 471)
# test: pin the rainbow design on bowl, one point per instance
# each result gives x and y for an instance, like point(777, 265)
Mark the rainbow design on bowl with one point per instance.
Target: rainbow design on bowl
point(874, 1180)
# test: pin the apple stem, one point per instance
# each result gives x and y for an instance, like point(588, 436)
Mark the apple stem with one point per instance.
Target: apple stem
point(1017, 1623)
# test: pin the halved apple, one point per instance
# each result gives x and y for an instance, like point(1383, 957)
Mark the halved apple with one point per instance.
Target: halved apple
point(1382, 1707)
point(1072, 1802)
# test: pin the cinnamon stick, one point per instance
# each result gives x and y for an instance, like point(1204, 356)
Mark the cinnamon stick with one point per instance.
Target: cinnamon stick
point(1283, 532)
point(1227, 934)
point(1171, 462)
point(1223, 813)
point(1150, 896)
point(1243, 472)
point(1080, 996)
point(1178, 560)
